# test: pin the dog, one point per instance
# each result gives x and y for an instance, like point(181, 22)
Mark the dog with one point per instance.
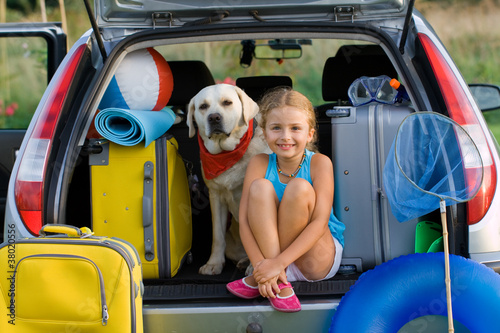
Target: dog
point(225, 116)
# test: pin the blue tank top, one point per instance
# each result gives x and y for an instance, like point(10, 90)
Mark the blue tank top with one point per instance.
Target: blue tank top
point(336, 227)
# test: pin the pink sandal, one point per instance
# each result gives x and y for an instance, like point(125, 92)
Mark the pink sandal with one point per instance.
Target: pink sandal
point(288, 303)
point(242, 289)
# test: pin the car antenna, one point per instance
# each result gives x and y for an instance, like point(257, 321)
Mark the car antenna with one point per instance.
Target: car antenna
point(406, 26)
point(95, 28)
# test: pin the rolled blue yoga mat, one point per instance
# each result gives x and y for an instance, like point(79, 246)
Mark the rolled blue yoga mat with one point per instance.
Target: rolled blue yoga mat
point(129, 127)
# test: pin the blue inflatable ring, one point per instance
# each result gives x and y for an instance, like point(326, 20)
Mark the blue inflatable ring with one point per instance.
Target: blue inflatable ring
point(392, 294)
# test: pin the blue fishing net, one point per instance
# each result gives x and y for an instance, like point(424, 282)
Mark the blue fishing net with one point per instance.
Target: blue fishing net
point(431, 159)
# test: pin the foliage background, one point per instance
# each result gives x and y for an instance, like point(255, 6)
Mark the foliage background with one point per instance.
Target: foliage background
point(470, 29)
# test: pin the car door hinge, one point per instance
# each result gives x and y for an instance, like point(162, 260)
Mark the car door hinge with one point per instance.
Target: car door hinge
point(162, 19)
point(343, 13)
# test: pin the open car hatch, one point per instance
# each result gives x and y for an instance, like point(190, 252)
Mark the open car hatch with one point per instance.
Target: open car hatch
point(168, 13)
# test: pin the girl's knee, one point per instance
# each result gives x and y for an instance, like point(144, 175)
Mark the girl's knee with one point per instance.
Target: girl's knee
point(261, 188)
point(299, 188)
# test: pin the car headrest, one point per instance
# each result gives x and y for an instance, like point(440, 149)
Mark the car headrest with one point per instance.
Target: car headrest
point(189, 78)
point(350, 63)
point(256, 86)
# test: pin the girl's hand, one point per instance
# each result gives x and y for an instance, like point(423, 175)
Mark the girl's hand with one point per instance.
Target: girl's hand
point(282, 277)
point(269, 288)
point(267, 269)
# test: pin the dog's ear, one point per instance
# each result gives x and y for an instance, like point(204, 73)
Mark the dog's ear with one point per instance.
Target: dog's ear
point(250, 108)
point(190, 118)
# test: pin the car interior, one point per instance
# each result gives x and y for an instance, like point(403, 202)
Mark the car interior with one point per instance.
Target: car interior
point(367, 242)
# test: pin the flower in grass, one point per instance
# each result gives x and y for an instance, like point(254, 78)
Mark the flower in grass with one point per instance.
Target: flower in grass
point(9, 111)
point(227, 80)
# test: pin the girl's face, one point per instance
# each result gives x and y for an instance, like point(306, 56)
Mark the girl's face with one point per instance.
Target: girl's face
point(287, 131)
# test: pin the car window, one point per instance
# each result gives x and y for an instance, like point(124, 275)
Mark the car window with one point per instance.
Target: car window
point(23, 79)
point(223, 60)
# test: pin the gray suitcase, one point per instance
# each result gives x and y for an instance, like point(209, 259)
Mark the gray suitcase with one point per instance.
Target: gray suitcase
point(361, 140)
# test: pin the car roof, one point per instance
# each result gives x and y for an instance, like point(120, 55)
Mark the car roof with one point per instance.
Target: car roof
point(155, 13)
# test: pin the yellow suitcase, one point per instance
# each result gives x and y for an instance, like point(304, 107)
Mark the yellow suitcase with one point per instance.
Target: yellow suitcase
point(141, 194)
point(70, 282)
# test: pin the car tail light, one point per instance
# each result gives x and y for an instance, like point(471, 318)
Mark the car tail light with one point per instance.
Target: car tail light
point(461, 110)
point(29, 185)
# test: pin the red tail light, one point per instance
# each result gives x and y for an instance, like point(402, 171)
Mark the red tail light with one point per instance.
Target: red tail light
point(461, 110)
point(30, 177)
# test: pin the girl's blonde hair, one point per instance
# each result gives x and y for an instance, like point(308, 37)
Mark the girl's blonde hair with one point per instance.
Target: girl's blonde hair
point(286, 96)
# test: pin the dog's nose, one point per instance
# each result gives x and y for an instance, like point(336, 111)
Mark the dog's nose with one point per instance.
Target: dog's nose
point(215, 118)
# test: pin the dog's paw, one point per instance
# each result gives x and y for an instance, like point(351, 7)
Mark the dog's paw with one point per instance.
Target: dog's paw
point(211, 269)
point(243, 263)
point(249, 270)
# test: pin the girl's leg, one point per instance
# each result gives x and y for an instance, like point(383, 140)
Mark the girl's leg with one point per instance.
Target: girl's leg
point(262, 219)
point(294, 213)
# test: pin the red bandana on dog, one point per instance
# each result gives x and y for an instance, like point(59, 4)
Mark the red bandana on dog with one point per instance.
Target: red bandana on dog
point(215, 164)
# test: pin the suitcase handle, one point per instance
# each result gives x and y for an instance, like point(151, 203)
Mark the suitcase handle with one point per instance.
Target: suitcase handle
point(147, 211)
point(65, 229)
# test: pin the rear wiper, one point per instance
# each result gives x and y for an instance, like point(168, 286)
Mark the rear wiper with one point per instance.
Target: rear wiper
point(214, 17)
point(95, 28)
point(406, 26)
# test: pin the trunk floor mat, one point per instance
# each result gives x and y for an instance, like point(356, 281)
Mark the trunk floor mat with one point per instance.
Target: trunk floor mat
point(175, 289)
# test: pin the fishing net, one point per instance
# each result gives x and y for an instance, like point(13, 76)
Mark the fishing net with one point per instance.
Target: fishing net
point(432, 159)
point(433, 163)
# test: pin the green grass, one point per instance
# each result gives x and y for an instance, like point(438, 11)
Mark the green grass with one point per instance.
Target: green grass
point(493, 120)
point(477, 57)
point(23, 78)
point(470, 30)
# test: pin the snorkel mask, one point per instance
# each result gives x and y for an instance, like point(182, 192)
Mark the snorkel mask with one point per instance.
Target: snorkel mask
point(366, 89)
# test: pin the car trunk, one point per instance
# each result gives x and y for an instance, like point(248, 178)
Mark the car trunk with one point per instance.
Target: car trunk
point(190, 301)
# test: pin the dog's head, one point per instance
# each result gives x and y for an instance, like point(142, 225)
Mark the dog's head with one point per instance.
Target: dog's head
point(222, 113)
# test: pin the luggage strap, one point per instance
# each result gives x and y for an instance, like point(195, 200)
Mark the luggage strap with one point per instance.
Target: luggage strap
point(147, 211)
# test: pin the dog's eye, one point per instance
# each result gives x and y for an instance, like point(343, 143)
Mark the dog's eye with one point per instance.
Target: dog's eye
point(227, 102)
point(204, 106)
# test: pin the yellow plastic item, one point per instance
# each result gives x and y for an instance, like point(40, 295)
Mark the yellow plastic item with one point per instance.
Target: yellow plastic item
point(118, 191)
point(64, 229)
point(70, 284)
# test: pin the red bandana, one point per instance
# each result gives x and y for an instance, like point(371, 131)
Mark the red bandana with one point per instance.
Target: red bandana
point(215, 164)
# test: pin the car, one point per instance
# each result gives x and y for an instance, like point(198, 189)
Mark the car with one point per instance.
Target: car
point(320, 48)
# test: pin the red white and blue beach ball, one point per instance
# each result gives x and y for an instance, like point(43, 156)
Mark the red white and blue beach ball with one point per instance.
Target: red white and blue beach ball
point(143, 81)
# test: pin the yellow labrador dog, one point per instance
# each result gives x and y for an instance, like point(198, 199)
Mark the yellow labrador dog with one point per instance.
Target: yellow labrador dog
point(228, 139)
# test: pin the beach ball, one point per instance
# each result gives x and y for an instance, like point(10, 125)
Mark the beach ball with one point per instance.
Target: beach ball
point(143, 81)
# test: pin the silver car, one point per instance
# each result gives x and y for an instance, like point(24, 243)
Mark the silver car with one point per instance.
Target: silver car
point(319, 48)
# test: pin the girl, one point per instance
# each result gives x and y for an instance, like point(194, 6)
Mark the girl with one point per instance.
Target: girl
point(286, 218)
